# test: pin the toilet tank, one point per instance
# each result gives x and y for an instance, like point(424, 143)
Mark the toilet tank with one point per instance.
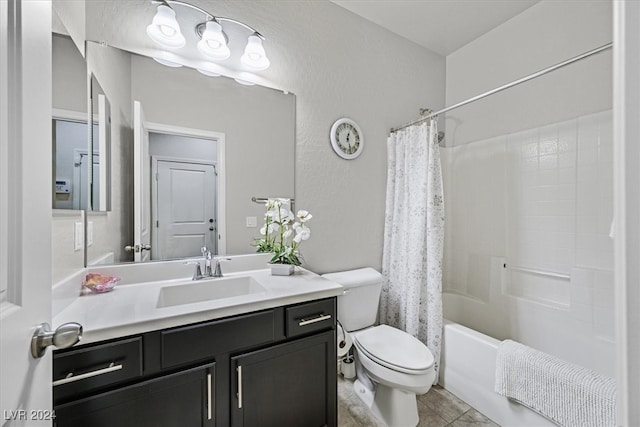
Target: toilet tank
point(358, 307)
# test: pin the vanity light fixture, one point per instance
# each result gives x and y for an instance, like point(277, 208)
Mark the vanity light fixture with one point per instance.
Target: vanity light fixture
point(255, 58)
point(164, 29)
point(213, 43)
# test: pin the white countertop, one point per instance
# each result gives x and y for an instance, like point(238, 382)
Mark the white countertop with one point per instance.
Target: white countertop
point(132, 308)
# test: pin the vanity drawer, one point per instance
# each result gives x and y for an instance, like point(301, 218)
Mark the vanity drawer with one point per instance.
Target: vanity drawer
point(310, 317)
point(200, 342)
point(80, 370)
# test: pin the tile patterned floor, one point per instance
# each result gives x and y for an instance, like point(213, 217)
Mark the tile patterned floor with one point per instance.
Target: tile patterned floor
point(437, 408)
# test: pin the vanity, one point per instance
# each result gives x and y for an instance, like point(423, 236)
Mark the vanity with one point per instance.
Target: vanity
point(152, 356)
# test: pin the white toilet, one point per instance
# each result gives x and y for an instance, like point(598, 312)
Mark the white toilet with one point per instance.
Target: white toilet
point(392, 367)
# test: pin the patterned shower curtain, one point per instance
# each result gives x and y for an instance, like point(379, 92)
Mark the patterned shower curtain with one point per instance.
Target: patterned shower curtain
point(411, 297)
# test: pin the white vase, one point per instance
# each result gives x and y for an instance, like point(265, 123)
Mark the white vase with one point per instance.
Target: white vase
point(282, 269)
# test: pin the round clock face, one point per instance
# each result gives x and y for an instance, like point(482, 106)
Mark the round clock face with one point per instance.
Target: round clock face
point(346, 139)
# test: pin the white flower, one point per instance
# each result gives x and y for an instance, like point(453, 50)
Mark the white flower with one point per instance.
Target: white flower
point(283, 232)
point(302, 233)
point(288, 232)
point(304, 216)
point(273, 204)
point(273, 227)
point(284, 216)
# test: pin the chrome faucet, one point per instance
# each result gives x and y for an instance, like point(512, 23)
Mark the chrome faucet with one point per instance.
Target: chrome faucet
point(206, 253)
point(197, 274)
point(218, 270)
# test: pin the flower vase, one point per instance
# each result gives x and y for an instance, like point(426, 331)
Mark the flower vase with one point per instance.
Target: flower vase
point(282, 269)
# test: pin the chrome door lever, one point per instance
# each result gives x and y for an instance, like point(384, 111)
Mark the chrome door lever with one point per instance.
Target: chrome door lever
point(64, 336)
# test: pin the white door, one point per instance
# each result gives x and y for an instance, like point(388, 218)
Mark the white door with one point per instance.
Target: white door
point(141, 187)
point(25, 209)
point(186, 219)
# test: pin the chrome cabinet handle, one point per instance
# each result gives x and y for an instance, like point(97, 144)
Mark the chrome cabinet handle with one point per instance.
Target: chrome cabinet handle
point(304, 322)
point(209, 398)
point(72, 378)
point(239, 369)
point(64, 336)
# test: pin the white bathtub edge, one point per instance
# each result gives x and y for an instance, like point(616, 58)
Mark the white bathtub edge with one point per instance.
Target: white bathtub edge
point(468, 371)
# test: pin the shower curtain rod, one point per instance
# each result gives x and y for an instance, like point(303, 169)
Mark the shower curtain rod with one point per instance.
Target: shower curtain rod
point(508, 85)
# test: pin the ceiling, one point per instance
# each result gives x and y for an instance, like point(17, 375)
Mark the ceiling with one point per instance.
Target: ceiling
point(442, 26)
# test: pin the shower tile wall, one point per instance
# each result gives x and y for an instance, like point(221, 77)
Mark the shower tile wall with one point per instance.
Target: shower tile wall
point(540, 202)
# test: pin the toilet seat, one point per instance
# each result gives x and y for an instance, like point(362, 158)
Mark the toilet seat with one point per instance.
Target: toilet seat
point(394, 349)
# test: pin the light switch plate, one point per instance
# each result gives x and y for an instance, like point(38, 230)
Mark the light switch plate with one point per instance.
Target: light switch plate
point(252, 222)
point(78, 241)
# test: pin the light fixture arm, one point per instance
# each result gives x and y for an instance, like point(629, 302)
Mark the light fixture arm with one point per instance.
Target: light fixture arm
point(208, 16)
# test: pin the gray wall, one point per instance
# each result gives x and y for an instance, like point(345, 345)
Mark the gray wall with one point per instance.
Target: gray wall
point(112, 230)
point(340, 65)
point(69, 75)
point(69, 92)
point(545, 34)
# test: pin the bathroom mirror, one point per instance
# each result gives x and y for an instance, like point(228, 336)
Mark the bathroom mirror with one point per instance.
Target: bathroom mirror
point(70, 133)
point(212, 145)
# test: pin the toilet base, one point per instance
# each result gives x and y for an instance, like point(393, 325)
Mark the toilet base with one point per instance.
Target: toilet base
point(396, 408)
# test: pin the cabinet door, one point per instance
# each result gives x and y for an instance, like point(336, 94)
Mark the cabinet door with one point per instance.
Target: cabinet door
point(292, 384)
point(181, 399)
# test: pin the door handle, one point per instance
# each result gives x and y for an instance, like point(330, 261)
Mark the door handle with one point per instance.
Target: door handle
point(137, 248)
point(64, 336)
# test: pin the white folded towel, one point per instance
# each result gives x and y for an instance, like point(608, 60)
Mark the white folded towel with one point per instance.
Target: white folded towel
point(567, 394)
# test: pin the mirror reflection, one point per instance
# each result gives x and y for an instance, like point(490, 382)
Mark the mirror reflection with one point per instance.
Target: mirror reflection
point(188, 153)
point(70, 134)
point(80, 155)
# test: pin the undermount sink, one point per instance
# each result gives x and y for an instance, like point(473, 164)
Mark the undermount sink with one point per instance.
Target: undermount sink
point(208, 290)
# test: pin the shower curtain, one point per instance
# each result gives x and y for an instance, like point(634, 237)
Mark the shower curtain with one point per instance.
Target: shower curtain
point(411, 297)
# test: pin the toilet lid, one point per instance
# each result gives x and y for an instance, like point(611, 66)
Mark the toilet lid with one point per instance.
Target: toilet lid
point(394, 348)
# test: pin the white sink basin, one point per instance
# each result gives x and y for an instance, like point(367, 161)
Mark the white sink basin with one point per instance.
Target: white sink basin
point(208, 290)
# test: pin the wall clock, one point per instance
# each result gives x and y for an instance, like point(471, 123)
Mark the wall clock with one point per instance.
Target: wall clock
point(346, 138)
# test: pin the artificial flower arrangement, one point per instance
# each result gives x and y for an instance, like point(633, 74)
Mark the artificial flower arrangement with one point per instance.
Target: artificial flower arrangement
point(283, 232)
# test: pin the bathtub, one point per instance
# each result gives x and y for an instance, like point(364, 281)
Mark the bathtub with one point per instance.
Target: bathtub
point(468, 370)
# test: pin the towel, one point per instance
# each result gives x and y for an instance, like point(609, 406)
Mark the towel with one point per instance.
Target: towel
point(567, 394)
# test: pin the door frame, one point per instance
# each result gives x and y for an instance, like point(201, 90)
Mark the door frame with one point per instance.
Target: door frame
point(219, 138)
point(626, 176)
point(78, 154)
point(155, 159)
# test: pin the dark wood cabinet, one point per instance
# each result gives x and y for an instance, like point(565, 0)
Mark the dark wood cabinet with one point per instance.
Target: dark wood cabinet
point(180, 399)
point(275, 367)
point(289, 384)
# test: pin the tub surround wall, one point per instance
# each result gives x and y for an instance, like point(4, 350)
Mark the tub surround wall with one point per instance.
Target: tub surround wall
point(539, 201)
point(528, 179)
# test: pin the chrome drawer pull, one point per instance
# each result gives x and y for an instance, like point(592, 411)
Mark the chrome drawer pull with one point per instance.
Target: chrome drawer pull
point(239, 369)
point(72, 378)
point(304, 322)
point(209, 408)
